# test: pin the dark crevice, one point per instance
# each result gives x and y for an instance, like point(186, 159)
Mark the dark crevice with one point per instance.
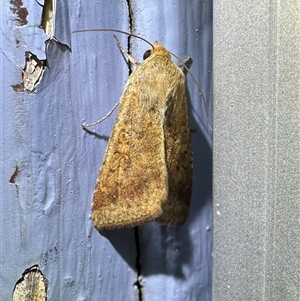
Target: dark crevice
point(130, 21)
point(14, 176)
point(138, 264)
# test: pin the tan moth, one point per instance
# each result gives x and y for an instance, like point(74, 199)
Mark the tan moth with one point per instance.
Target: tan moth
point(147, 171)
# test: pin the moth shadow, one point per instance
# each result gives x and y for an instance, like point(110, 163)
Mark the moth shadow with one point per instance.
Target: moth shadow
point(153, 248)
point(124, 242)
point(169, 250)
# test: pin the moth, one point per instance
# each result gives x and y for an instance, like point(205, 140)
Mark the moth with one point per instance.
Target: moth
point(147, 171)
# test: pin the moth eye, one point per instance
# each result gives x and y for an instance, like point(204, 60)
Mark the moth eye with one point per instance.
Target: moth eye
point(147, 54)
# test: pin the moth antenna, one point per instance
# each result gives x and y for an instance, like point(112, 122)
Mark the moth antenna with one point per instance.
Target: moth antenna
point(6, 55)
point(142, 39)
point(198, 86)
point(130, 58)
point(22, 70)
point(114, 30)
point(41, 5)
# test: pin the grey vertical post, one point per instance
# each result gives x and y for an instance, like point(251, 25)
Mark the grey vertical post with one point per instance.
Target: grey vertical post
point(256, 150)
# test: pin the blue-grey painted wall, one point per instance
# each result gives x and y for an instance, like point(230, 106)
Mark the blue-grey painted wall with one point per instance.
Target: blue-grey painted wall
point(45, 214)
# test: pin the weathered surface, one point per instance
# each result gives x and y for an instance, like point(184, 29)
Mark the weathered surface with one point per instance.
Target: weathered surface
point(45, 212)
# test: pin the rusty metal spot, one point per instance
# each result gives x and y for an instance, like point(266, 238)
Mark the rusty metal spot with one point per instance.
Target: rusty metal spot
point(14, 175)
point(20, 11)
point(31, 74)
point(32, 286)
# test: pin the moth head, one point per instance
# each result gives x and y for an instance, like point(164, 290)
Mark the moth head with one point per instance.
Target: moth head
point(150, 51)
point(156, 49)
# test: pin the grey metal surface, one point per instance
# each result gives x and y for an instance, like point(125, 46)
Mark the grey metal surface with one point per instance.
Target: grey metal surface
point(256, 150)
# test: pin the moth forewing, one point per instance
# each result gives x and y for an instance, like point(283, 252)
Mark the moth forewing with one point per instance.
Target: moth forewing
point(133, 179)
point(147, 170)
point(178, 153)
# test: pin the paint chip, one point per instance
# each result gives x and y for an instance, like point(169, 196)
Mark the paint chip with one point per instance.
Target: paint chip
point(32, 286)
point(31, 74)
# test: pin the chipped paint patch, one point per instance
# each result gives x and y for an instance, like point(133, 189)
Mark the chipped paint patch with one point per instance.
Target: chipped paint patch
point(32, 286)
point(19, 11)
point(31, 74)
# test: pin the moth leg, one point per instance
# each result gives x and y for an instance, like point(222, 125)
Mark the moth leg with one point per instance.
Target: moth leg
point(186, 62)
point(86, 125)
point(132, 60)
point(126, 55)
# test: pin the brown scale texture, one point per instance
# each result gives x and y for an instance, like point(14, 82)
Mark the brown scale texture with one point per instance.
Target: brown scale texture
point(147, 169)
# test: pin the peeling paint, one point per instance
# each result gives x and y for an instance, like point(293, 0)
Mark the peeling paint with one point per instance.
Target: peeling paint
point(48, 17)
point(20, 11)
point(31, 74)
point(32, 286)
